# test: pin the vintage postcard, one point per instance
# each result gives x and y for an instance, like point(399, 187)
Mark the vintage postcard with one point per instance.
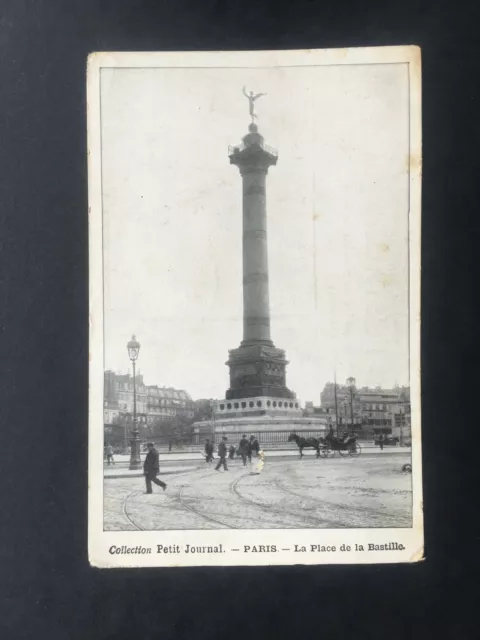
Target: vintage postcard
point(255, 228)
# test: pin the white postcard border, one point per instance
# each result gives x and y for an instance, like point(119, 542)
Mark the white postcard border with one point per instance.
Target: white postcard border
point(137, 549)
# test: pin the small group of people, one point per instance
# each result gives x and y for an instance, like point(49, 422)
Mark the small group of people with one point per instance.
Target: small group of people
point(246, 448)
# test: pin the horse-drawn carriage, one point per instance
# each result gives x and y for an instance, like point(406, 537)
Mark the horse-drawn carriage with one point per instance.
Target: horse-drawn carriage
point(347, 446)
point(327, 447)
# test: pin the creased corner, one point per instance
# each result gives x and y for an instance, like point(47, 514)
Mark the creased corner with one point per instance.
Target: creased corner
point(418, 556)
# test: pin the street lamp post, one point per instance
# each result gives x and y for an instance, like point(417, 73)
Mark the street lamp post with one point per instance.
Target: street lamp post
point(212, 405)
point(133, 348)
point(336, 403)
point(345, 414)
point(351, 387)
point(351, 408)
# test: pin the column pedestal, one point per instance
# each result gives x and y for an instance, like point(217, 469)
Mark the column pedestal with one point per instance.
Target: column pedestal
point(257, 370)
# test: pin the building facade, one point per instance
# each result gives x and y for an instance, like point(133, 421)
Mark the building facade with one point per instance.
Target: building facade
point(153, 403)
point(372, 410)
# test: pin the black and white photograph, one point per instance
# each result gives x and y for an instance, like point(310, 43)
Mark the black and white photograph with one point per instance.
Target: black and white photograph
point(254, 307)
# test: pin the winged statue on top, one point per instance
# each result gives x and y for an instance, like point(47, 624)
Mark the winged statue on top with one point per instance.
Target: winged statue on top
point(252, 97)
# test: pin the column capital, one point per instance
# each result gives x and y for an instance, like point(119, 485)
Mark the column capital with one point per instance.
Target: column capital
point(253, 155)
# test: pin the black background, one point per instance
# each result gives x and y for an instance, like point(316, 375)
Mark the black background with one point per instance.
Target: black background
point(47, 588)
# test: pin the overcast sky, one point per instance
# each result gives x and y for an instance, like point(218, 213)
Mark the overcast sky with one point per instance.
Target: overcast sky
point(337, 208)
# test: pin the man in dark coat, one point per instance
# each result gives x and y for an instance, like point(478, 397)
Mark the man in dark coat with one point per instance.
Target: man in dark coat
point(381, 440)
point(222, 454)
point(243, 449)
point(254, 446)
point(151, 468)
point(208, 451)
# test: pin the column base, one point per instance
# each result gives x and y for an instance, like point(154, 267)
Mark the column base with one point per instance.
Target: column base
point(135, 458)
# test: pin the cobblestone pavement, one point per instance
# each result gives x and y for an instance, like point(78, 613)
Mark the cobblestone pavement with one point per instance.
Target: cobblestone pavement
point(309, 493)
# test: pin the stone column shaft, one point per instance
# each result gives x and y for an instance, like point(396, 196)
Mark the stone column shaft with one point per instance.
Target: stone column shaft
point(257, 367)
point(256, 308)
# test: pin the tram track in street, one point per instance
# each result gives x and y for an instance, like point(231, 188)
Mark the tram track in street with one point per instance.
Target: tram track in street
point(180, 498)
point(347, 509)
point(189, 507)
point(125, 512)
point(315, 520)
point(136, 493)
point(281, 515)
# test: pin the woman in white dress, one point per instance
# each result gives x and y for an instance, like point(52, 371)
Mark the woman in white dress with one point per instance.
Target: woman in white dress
point(260, 462)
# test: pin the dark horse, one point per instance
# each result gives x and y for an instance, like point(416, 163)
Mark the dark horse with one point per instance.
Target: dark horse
point(305, 443)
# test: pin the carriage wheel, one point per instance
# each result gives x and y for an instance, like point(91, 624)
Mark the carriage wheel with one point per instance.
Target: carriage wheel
point(344, 452)
point(329, 453)
point(324, 452)
point(355, 450)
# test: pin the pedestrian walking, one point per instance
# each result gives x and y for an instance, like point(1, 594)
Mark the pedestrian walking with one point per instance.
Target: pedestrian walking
point(231, 452)
point(254, 446)
point(243, 449)
point(109, 454)
point(380, 441)
point(222, 454)
point(151, 468)
point(208, 450)
point(249, 451)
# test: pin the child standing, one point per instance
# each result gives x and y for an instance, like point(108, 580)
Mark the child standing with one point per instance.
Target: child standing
point(260, 463)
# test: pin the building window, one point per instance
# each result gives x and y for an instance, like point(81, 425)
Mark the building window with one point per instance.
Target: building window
point(279, 404)
point(296, 405)
point(236, 405)
point(259, 403)
point(229, 406)
point(222, 407)
point(244, 405)
point(291, 405)
point(274, 403)
point(268, 403)
point(250, 404)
